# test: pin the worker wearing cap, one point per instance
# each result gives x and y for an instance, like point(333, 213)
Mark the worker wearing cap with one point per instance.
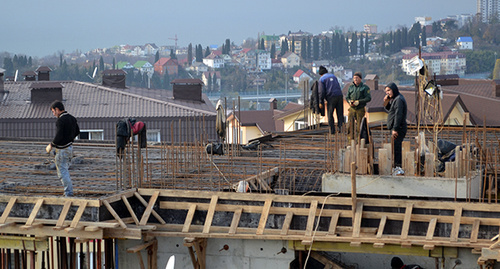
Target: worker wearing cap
point(358, 95)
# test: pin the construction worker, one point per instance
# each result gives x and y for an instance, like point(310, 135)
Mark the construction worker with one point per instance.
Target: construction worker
point(67, 130)
point(358, 95)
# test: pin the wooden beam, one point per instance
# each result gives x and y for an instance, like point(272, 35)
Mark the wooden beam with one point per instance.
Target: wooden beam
point(286, 223)
point(406, 221)
point(210, 214)
point(78, 214)
point(130, 210)
point(7, 210)
point(189, 218)
point(62, 216)
point(114, 214)
point(456, 224)
point(236, 221)
point(310, 219)
point(475, 231)
point(381, 226)
point(31, 219)
point(149, 208)
point(333, 223)
point(155, 214)
point(263, 216)
point(431, 228)
point(356, 225)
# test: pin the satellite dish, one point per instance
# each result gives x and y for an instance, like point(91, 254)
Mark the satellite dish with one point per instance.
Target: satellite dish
point(171, 262)
point(15, 76)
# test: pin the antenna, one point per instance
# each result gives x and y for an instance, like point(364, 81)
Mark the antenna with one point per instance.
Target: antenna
point(15, 76)
point(175, 40)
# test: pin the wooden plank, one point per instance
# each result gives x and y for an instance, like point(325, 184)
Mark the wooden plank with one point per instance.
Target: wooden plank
point(286, 223)
point(456, 224)
point(384, 162)
point(406, 222)
point(114, 214)
point(310, 219)
point(155, 214)
point(264, 215)
point(62, 216)
point(356, 226)
point(431, 229)
point(333, 223)
point(149, 208)
point(78, 214)
point(34, 212)
point(7, 210)
point(236, 221)
point(210, 214)
point(475, 230)
point(381, 226)
point(429, 165)
point(189, 218)
point(363, 161)
point(130, 210)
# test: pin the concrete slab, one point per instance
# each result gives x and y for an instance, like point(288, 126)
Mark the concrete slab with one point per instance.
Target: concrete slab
point(404, 185)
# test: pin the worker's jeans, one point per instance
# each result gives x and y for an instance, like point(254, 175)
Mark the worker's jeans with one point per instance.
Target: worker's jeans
point(62, 160)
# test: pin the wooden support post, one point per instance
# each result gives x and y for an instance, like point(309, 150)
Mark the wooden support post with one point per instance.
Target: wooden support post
point(384, 163)
point(353, 189)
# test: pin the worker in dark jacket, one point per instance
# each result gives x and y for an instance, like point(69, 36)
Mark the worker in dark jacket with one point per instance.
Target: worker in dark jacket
point(314, 101)
point(395, 105)
point(397, 263)
point(67, 130)
point(329, 89)
point(358, 95)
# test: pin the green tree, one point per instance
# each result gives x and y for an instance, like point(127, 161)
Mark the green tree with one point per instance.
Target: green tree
point(228, 46)
point(172, 54)
point(209, 82)
point(207, 52)
point(284, 47)
point(157, 56)
point(496, 70)
point(114, 63)
point(303, 48)
point(261, 44)
point(292, 49)
point(199, 53)
point(101, 64)
point(190, 54)
point(315, 48)
point(273, 51)
point(361, 45)
point(8, 65)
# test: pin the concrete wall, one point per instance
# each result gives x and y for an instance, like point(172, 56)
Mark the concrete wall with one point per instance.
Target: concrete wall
point(242, 254)
point(366, 260)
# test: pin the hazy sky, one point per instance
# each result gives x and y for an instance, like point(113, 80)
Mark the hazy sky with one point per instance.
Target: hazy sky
point(40, 28)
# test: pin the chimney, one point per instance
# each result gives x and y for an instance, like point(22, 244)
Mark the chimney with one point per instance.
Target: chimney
point(187, 89)
point(46, 92)
point(29, 76)
point(2, 71)
point(43, 73)
point(371, 80)
point(496, 88)
point(114, 78)
point(273, 104)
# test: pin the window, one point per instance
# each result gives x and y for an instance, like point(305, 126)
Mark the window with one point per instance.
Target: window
point(91, 135)
point(153, 135)
point(299, 125)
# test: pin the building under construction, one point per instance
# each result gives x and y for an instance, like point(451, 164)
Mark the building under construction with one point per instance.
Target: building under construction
point(301, 199)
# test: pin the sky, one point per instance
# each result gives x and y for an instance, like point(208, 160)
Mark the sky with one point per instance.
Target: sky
point(41, 28)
